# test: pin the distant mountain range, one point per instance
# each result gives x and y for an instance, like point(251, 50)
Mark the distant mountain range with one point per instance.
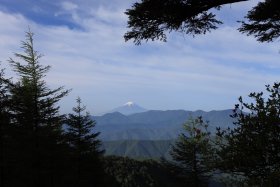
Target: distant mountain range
point(130, 130)
point(155, 124)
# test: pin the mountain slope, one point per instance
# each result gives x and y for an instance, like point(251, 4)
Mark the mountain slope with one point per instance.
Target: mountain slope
point(155, 125)
point(139, 148)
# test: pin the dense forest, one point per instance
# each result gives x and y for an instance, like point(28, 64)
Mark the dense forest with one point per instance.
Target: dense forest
point(39, 146)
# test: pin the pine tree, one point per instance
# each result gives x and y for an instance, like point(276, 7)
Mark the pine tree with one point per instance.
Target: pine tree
point(86, 148)
point(35, 116)
point(191, 153)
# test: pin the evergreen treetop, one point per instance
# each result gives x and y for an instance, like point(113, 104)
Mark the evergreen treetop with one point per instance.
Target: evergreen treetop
point(80, 131)
point(33, 100)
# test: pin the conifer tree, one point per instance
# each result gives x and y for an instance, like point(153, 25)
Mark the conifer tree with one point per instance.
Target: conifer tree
point(191, 153)
point(86, 148)
point(35, 96)
point(4, 124)
point(35, 115)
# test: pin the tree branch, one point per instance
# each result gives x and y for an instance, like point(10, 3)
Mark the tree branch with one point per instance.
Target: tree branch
point(149, 19)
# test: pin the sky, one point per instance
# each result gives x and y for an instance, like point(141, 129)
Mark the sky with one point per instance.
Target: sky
point(83, 42)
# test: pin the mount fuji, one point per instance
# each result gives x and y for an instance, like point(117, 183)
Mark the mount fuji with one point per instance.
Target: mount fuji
point(129, 108)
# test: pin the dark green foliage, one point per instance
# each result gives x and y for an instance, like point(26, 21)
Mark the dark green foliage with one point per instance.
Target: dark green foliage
point(132, 173)
point(5, 118)
point(35, 103)
point(151, 19)
point(86, 148)
point(35, 121)
point(79, 131)
point(252, 148)
point(4, 100)
point(192, 153)
point(264, 21)
point(34, 151)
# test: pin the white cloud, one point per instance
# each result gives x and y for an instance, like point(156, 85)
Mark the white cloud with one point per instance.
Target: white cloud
point(109, 15)
point(206, 72)
point(69, 6)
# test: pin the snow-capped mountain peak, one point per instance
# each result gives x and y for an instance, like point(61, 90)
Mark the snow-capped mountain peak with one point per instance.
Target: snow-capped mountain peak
point(129, 108)
point(129, 103)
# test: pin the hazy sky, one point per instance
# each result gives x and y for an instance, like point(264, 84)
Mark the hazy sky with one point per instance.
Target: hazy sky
point(83, 42)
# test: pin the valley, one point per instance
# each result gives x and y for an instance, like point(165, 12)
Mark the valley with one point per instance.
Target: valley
point(150, 134)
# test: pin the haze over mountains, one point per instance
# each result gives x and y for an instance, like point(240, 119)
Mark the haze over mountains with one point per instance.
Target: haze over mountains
point(133, 122)
point(131, 130)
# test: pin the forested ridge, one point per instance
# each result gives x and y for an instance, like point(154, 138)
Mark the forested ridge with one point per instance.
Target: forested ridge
point(39, 146)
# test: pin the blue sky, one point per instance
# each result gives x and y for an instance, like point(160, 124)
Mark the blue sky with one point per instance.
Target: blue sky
point(83, 42)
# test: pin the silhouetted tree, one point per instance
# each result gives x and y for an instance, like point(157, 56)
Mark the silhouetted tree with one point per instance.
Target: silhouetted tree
point(36, 117)
point(151, 19)
point(192, 153)
point(5, 118)
point(85, 145)
point(252, 149)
